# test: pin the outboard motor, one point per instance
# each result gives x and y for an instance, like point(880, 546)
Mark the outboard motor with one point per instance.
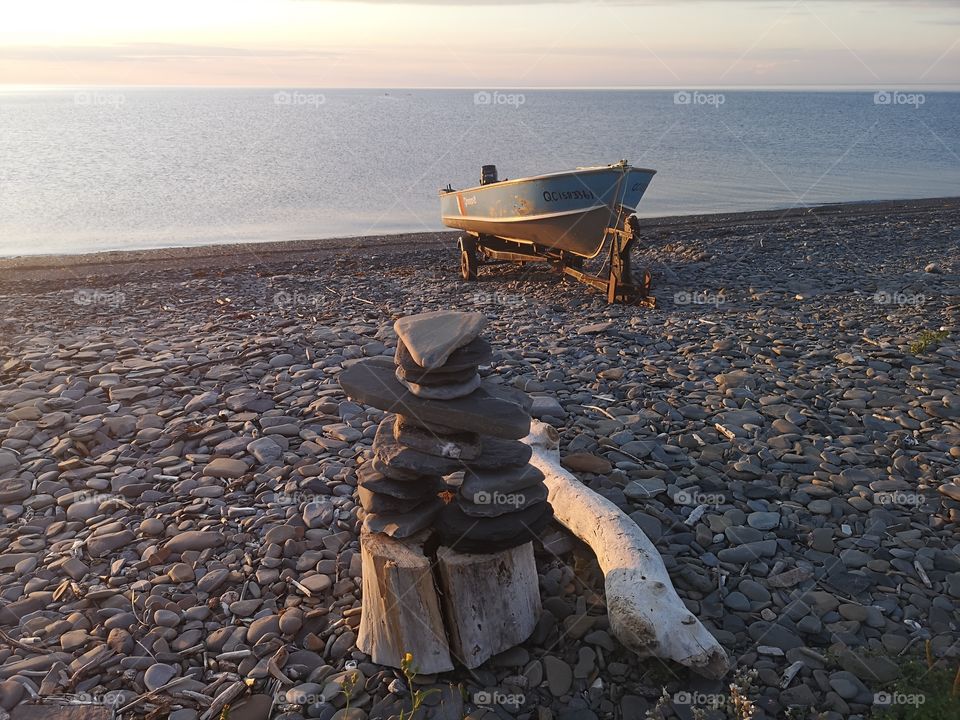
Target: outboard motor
point(488, 175)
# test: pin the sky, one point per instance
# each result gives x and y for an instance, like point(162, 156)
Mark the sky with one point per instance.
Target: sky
point(482, 43)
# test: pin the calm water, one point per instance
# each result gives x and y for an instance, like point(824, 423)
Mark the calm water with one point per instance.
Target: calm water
point(135, 168)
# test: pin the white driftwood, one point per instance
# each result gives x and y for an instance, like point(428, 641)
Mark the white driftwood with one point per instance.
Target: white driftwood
point(645, 612)
point(492, 602)
point(401, 610)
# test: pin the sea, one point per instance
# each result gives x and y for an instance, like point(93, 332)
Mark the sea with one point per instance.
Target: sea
point(113, 168)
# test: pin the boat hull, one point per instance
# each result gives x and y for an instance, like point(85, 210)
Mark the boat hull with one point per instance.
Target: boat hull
point(561, 212)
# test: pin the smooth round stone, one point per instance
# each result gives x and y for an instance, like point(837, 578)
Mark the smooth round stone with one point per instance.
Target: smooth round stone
point(737, 601)
point(820, 507)
point(166, 618)
point(13, 490)
point(763, 520)
point(158, 675)
point(181, 573)
point(152, 527)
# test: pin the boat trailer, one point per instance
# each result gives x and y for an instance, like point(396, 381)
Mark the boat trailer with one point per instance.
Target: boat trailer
point(620, 284)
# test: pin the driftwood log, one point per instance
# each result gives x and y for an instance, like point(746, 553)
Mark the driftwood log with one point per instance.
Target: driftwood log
point(401, 610)
point(451, 607)
point(492, 602)
point(645, 612)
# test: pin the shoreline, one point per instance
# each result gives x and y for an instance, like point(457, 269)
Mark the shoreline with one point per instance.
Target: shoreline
point(786, 418)
point(231, 255)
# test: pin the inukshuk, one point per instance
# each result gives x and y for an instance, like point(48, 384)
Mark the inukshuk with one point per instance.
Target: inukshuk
point(445, 420)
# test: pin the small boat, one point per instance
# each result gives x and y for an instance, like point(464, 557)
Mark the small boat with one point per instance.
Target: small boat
point(563, 218)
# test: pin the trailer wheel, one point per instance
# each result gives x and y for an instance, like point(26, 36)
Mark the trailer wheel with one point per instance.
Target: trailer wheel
point(468, 258)
point(646, 282)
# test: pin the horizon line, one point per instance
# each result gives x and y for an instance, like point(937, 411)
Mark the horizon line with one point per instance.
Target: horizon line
point(836, 87)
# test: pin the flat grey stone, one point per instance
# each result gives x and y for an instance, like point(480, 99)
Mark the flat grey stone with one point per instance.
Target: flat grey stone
point(441, 392)
point(497, 453)
point(158, 674)
point(382, 503)
point(748, 552)
point(547, 407)
point(431, 378)
point(645, 488)
point(377, 482)
point(431, 337)
point(485, 535)
point(457, 446)
point(477, 352)
point(195, 540)
point(484, 411)
point(403, 525)
point(485, 504)
point(763, 520)
point(505, 480)
point(13, 490)
point(265, 450)
point(393, 454)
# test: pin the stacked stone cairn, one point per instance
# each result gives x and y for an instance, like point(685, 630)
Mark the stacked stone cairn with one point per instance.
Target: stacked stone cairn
point(445, 420)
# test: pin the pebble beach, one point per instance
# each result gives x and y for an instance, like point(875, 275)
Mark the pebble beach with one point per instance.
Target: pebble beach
point(178, 469)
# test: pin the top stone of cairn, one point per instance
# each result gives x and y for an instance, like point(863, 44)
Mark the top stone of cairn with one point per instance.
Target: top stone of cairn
point(431, 337)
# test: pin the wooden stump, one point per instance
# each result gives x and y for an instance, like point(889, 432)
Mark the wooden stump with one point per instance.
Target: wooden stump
point(490, 603)
point(401, 610)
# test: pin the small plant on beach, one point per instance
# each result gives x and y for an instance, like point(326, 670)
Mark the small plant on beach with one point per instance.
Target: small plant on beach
point(416, 696)
point(347, 685)
point(741, 706)
point(928, 340)
point(658, 710)
point(924, 691)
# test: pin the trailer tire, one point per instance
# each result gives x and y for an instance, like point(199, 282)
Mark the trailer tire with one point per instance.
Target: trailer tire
point(468, 259)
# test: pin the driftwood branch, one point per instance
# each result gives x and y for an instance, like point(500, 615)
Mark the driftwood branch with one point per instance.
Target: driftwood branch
point(645, 612)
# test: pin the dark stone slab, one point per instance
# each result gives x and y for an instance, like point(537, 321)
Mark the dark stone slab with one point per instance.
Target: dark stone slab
point(504, 480)
point(476, 352)
point(432, 378)
point(484, 504)
point(399, 457)
point(377, 482)
point(496, 453)
point(431, 337)
point(376, 502)
point(485, 411)
point(442, 392)
point(403, 525)
point(394, 473)
point(459, 446)
point(461, 532)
